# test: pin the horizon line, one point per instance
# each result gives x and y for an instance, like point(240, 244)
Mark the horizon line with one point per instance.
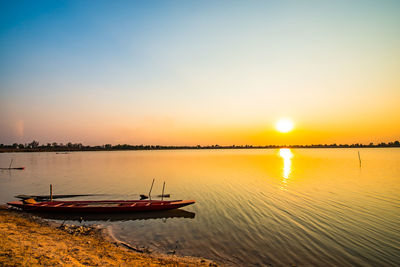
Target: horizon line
point(34, 145)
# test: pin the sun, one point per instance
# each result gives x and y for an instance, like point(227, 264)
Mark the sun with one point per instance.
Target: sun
point(284, 125)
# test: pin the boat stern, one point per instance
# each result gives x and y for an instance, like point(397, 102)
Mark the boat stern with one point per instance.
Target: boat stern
point(16, 204)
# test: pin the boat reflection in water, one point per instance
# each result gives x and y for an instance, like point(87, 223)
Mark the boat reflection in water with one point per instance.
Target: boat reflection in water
point(112, 217)
point(287, 156)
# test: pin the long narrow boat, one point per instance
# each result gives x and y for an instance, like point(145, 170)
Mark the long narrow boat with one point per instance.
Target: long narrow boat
point(48, 197)
point(101, 206)
point(14, 168)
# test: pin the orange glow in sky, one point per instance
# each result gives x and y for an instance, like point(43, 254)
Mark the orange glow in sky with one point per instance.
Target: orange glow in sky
point(200, 73)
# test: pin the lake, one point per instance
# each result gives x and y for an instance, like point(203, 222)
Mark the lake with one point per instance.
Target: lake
point(254, 207)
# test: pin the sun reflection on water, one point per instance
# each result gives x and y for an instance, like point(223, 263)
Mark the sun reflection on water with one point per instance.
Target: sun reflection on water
point(287, 156)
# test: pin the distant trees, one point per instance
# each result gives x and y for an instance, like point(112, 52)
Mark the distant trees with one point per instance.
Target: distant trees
point(35, 146)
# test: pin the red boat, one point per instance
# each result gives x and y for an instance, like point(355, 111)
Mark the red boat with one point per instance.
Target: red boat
point(101, 206)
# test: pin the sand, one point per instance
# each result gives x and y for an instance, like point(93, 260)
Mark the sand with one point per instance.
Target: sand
point(28, 241)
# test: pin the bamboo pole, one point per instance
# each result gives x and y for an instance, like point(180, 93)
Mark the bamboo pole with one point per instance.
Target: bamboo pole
point(151, 188)
point(51, 192)
point(162, 194)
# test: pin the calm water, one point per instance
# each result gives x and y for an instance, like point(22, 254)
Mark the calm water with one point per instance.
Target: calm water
point(254, 207)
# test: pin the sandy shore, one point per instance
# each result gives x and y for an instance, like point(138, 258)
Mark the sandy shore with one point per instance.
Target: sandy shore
point(27, 241)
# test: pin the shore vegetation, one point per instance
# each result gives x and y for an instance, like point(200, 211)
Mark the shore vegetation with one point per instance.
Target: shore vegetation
point(35, 146)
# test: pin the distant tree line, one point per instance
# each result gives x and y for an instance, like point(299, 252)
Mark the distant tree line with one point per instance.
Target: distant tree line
point(35, 146)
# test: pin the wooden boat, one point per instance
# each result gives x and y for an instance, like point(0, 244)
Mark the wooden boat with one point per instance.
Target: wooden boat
point(12, 168)
point(100, 206)
point(48, 197)
point(142, 196)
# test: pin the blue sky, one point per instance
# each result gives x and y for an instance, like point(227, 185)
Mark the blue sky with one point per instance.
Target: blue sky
point(188, 72)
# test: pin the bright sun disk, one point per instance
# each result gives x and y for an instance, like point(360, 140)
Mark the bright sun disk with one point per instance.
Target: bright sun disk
point(284, 125)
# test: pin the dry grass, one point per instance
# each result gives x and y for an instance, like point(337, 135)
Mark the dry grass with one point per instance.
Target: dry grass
point(27, 241)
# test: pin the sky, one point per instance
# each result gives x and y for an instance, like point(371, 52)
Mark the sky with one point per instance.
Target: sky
point(199, 72)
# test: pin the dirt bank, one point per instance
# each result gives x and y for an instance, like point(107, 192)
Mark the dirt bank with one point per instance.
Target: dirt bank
point(26, 240)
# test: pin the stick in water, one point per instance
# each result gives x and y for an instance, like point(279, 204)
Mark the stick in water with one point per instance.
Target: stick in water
point(11, 163)
point(151, 188)
point(162, 194)
point(359, 158)
point(51, 192)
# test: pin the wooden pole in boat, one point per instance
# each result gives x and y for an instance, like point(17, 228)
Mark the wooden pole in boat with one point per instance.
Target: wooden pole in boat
point(359, 158)
point(51, 192)
point(162, 194)
point(151, 188)
point(11, 163)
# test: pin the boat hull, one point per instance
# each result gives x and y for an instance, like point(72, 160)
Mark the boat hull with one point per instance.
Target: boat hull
point(104, 206)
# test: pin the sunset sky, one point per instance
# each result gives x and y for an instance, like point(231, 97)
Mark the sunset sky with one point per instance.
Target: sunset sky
point(199, 72)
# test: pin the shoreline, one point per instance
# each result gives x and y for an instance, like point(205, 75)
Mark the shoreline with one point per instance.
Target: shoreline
point(28, 240)
point(68, 151)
